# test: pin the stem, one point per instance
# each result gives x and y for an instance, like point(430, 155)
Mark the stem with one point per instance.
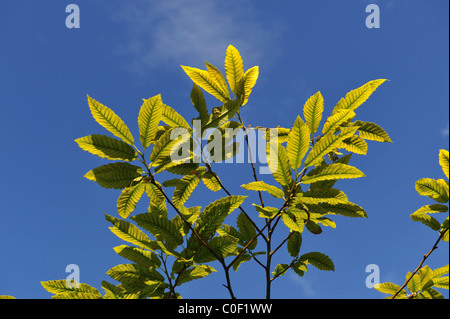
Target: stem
point(421, 263)
point(220, 259)
point(268, 260)
point(250, 157)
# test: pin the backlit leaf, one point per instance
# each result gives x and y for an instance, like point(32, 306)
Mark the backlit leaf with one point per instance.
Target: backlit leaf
point(204, 80)
point(114, 175)
point(332, 172)
point(107, 147)
point(312, 111)
point(234, 67)
point(298, 143)
point(110, 121)
point(149, 118)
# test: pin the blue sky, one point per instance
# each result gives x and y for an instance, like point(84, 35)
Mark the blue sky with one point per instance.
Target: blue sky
point(126, 51)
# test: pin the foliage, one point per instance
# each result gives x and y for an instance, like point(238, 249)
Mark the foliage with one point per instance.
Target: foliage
point(422, 282)
point(173, 243)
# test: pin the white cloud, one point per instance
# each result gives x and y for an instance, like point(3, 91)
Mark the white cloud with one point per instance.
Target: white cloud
point(188, 31)
point(445, 131)
point(305, 285)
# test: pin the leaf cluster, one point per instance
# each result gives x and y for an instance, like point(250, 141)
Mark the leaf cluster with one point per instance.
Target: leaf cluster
point(423, 281)
point(172, 243)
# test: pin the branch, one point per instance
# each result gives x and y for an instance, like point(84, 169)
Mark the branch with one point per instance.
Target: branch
point(421, 263)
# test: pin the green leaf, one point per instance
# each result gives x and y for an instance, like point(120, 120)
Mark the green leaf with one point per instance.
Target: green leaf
point(294, 243)
point(278, 163)
point(107, 147)
point(426, 220)
point(222, 115)
point(326, 144)
point(431, 209)
point(444, 161)
point(114, 175)
point(332, 172)
point(142, 257)
point(198, 100)
point(348, 210)
point(355, 144)
point(312, 111)
point(173, 118)
point(168, 144)
point(128, 232)
point(184, 189)
point(334, 121)
point(280, 270)
point(110, 121)
point(149, 118)
point(222, 246)
point(313, 227)
point(389, 288)
point(300, 268)
point(356, 97)
point(128, 199)
point(215, 213)
point(318, 260)
point(435, 189)
point(262, 186)
point(371, 131)
point(196, 272)
point(266, 212)
point(211, 182)
point(160, 227)
point(298, 143)
point(204, 80)
point(293, 221)
point(234, 67)
point(247, 231)
point(72, 291)
point(218, 77)
point(438, 272)
point(250, 78)
point(331, 196)
point(126, 272)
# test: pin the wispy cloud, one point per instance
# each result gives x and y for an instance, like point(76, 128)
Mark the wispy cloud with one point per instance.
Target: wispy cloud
point(305, 285)
point(445, 131)
point(186, 31)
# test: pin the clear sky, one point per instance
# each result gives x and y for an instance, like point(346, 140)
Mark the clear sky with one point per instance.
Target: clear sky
point(128, 50)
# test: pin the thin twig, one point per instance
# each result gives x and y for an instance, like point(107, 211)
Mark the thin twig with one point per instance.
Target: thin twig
point(421, 263)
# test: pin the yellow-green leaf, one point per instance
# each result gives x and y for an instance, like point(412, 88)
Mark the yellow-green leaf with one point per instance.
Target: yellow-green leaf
point(326, 144)
point(435, 189)
point(444, 161)
point(371, 131)
point(250, 78)
point(110, 121)
point(355, 144)
point(356, 97)
point(149, 118)
point(298, 143)
point(173, 118)
point(262, 186)
point(128, 199)
point(278, 163)
point(313, 110)
point(168, 143)
point(217, 76)
point(114, 175)
point(107, 147)
point(234, 67)
point(204, 80)
point(332, 172)
point(334, 121)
